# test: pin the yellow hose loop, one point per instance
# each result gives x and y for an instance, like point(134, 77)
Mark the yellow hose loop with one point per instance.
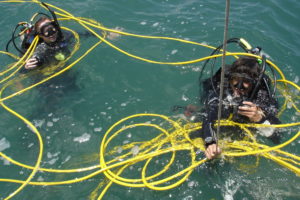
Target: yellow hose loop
point(54, 75)
point(151, 37)
point(294, 169)
point(104, 143)
point(294, 85)
point(277, 151)
point(8, 1)
point(110, 183)
point(39, 159)
point(266, 149)
point(49, 170)
point(80, 179)
point(72, 181)
point(122, 157)
point(11, 55)
point(24, 58)
point(110, 174)
point(152, 185)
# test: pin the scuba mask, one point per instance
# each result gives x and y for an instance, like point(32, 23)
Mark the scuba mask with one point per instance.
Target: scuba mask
point(48, 29)
point(242, 82)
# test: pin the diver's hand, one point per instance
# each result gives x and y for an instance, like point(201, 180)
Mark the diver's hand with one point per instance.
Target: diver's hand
point(251, 110)
point(212, 151)
point(31, 63)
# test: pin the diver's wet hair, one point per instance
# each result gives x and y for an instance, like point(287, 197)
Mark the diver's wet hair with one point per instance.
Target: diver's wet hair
point(38, 23)
point(246, 65)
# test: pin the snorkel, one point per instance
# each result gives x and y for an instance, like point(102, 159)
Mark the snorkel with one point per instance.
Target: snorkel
point(261, 74)
point(56, 24)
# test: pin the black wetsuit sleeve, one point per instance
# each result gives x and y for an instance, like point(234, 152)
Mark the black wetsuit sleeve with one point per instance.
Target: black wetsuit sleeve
point(40, 54)
point(211, 111)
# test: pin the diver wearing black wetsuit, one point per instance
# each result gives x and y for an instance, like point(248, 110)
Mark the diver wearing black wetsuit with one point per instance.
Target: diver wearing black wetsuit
point(52, 53)
point(54, 45)
point(246, 104)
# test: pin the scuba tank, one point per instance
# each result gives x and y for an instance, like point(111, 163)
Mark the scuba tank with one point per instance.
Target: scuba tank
point(27, 31)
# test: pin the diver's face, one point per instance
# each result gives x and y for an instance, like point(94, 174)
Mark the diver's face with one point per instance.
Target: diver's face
point(240, 86)
point(48, 32)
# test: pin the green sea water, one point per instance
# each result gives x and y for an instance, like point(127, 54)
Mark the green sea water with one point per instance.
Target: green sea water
point(74, 110)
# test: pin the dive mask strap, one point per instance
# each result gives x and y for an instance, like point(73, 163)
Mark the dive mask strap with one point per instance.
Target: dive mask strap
point(54, 18)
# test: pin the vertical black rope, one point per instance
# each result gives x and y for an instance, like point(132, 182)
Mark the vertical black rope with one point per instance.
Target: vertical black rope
point(223, 67)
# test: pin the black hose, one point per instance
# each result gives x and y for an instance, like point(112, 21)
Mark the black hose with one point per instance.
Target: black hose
point(13, 37)
point(263, 69)
point(7, 45)
point(231, 40)
point(55, 19)
point(275, 81)
point(267, 86)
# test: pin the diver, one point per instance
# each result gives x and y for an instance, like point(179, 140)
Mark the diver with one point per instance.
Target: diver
point(246, 99)
point(53, 46)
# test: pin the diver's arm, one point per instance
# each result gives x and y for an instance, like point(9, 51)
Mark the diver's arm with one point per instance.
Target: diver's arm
point(211, 116)
point(37, 59)
point(211, 148)
point(212, 151)
point(209, 137)
point(31, 63)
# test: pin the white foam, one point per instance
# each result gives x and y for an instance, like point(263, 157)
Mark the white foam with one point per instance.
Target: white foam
point(67, 159)
point(55, 119)
point(40, 179)
point(191, 184)
point(188, 198)
point(266, 131)
point(155, 24)
point(119, 150)
point(49, 124)
point(296, 79)
point(84, 138)
point(30, 145)
point(4, 144)
point(52, 161)
point(135, 150)
point(174, 51)
point(38, 123)
point(5, 162)
point(231, 187)
point(289, 105)
point(98, 129)
point(184, 98)
point(125, 141)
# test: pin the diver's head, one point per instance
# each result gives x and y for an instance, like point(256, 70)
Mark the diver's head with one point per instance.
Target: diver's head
point(243, 75)
point(46, 29)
